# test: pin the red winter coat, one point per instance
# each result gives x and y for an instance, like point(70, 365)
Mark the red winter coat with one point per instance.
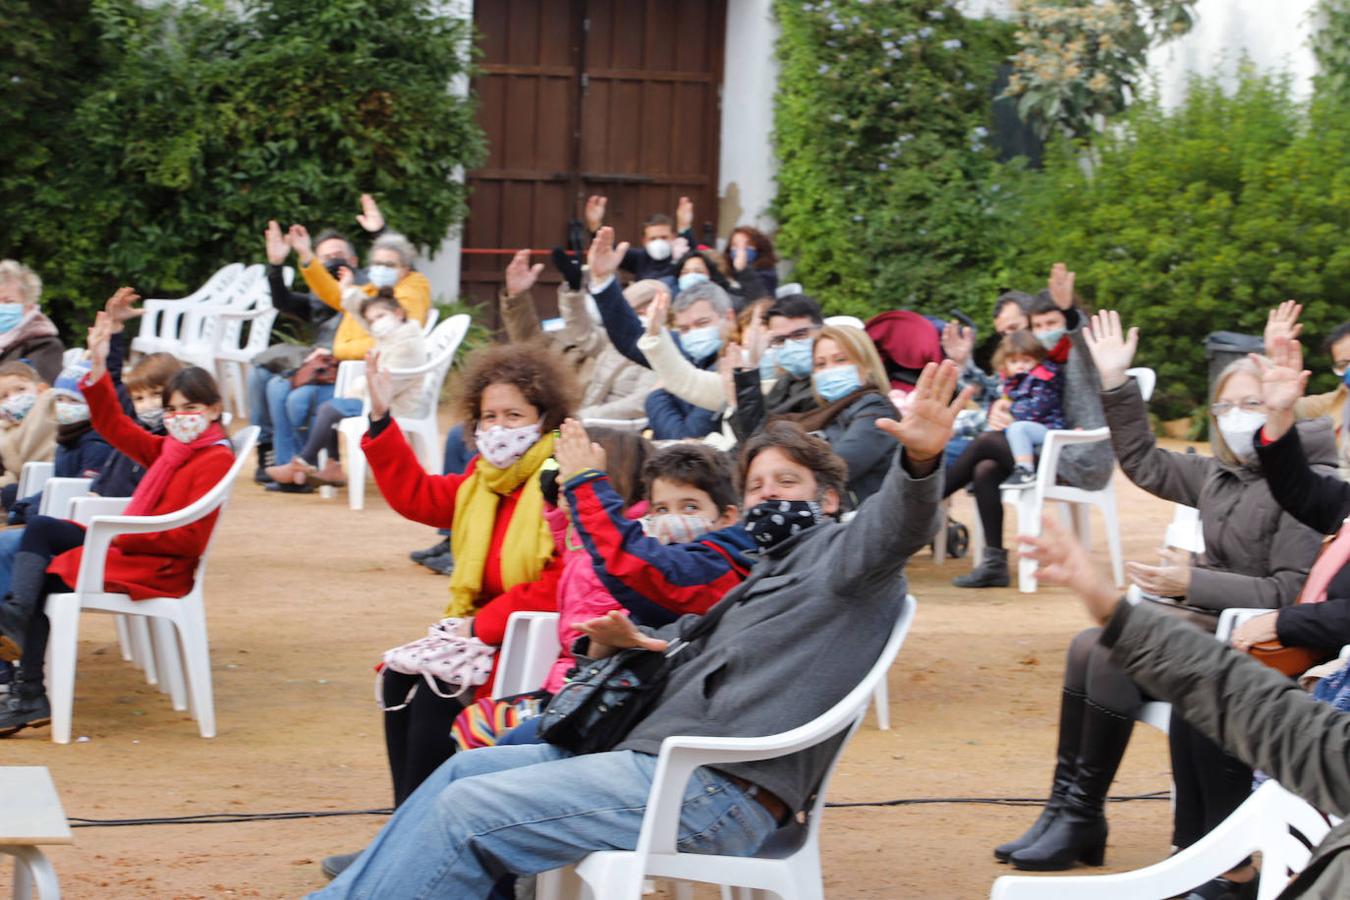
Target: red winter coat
point(158, 564)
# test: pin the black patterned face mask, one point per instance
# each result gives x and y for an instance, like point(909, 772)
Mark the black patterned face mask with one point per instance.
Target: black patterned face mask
point(774, 521)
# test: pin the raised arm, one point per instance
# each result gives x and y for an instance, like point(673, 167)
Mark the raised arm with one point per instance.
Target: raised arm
point(621, 324)
point(105, 409)
point(677, 374)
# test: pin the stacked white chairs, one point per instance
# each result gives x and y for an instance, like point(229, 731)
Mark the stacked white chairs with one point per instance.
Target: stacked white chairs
point(1030, 502)
point(428, 326)
point(161, 321)
point(174, 620)
point(789, 863)
point(33, 476)
point(1271, 821)
point(422, 431)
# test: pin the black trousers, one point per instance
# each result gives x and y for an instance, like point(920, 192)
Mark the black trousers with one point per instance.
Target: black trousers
point(1210, 784)
point(416, 737)
point(47, 537)
point(986, 463)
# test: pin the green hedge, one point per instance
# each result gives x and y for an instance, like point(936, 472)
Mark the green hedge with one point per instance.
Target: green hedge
point(178, 129)
point(1201, 220)
point(887, 192)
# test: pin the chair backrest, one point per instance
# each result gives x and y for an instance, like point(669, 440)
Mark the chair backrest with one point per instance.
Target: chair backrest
point(1147, 378)
point(441, 347)
point(152, 326)
point(249, 290)
point(528, 652)
point(242, 443)
point(433, 315)
point(33, 475)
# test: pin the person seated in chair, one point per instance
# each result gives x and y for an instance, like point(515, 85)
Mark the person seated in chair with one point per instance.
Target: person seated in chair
point(818, 586)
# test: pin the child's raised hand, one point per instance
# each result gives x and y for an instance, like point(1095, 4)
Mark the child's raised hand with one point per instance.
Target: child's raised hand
point(121, 307)
point(99, 340)
point(379, 384)
point(575, 451)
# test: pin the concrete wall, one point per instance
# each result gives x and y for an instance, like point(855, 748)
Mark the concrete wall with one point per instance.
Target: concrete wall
point(750, 76)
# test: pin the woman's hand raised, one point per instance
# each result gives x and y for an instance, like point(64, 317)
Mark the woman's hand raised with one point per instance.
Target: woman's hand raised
point(1283, 380)
point(1112, 348)
point(379, 384)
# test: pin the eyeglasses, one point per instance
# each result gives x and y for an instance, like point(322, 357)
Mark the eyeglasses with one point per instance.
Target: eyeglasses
point(801, 334)
point(1223, 407)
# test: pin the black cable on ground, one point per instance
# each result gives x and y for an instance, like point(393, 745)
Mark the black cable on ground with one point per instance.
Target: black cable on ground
point(230, 818)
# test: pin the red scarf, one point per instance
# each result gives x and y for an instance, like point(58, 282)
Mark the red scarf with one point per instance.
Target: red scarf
point(172, 455)
point(1331, 561)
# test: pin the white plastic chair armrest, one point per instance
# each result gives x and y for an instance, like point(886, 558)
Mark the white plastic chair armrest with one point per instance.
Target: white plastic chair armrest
point(230, 313)
point(57, 494)
point(1230, 619)
point(83, 509)
point(103, 528)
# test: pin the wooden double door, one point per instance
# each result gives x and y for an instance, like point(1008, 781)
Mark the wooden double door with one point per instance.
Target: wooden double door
point(581, 97)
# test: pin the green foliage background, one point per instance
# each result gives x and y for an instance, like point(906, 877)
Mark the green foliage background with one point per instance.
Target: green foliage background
point(147, 144)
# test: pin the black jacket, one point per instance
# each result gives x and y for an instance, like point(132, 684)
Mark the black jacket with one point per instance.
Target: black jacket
point(754, 407)
point(304, 307)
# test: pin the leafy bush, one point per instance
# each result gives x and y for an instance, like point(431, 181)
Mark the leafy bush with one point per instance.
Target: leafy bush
point(1200, 220)
point(198, 122)
point(888, 195)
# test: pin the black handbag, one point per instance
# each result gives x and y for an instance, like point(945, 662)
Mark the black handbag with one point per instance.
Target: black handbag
point(605, 699)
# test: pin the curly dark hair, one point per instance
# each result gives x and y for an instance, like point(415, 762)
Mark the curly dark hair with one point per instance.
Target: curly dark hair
point(804, 449)
point(535, 370)
point(765, 258)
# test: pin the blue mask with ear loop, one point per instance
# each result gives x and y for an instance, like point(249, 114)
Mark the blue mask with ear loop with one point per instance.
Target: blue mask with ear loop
point(1345, 378)
point(768, 365)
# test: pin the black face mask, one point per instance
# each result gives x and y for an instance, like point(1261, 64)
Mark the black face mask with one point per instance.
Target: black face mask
point(334, 266)
point(774, 521)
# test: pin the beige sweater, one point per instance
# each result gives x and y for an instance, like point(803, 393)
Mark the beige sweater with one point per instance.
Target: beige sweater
point(33, 439)
point(402, 348)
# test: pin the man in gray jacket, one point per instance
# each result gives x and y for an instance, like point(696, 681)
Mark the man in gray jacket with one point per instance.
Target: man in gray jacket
point(814, 613)
point(1253, 711)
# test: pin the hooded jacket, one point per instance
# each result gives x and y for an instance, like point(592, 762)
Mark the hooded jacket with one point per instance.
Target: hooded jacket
point(1256, 554)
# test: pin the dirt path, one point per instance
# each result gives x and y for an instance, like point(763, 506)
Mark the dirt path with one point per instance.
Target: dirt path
point(303, 594)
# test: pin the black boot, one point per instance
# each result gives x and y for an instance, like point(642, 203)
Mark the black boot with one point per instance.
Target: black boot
point(265, 459)
point(25, 590)
point(1078, 833)
point(1066, 758)
point(991, 572)
point(23, 707)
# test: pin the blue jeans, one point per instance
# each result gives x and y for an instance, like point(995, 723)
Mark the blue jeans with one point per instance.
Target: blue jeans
point(258, 414)
point(955, 447)
point(9, 545)
point(523, 810)
point(291, 410)
point(1025, 438)
point(456, 458)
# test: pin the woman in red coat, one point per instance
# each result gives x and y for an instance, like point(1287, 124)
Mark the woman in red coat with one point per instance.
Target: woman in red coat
point(511, 398)
point(181, 466)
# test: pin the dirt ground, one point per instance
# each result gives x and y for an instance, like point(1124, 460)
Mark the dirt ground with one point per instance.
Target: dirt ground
point(303, 594)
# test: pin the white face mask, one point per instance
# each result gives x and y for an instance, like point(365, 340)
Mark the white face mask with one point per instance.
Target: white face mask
point(150, 414)
point(658, 249)
point(675, 528)
point(70, 413)
point(186, 427)
point(1239, 428)
point(382, 326)
point(382, 276)
point(502, 447)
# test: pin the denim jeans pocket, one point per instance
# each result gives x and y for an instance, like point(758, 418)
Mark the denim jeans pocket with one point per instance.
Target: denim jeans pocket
point(723, 820)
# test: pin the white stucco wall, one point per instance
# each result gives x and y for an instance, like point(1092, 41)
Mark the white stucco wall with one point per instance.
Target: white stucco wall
point(745, 184)
point(442, 270)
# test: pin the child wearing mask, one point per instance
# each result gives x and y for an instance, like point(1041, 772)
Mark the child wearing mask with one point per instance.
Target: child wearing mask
point(1034, 384)
point(399, 342)
point(180, 467)
point(27, 422)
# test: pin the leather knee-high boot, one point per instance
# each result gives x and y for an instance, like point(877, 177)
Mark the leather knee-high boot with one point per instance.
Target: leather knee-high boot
point(1066, 759)
point(1078, 832)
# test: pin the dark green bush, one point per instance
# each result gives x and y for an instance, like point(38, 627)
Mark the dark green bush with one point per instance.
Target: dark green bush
point(1200, 220)
point(888, 195)
point(187, 126)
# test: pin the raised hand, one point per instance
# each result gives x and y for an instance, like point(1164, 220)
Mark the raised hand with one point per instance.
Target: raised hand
point(1061, 285)
point(679, 248)
point(575, 451)
point(740, 258)
point(520, 275)
point(99, 341)
point(121, 308)
point(958, 342)
point(379, 384)
point(1063, 561)
point(1111, 347)
point(726, 371)
point(1283, 377)
point(684, 214)
point(613, 631)
point(278, 248)
point(346, 278)
point(595, 212)
point(603, 258)
point(756, 340)
point(1282, 322)
point(370, 218)
point(927, 426)
point(299, 239)
point(658, 312)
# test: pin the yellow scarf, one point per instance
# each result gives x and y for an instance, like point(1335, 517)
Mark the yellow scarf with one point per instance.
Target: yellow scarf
point(528, 545)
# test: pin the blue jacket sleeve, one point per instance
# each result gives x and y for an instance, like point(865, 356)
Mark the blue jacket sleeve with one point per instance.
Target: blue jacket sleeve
point(671, 419)
point(117, 349)
point(621, 324)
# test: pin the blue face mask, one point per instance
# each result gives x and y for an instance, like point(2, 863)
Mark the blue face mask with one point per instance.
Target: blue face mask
point(383, 276)
point(1345, 377)
point(11, 314)
point(1049, 339)
point(768, 365)
point(750, 255)
point(689, 279)
point(700, 343)
point(831, 384)
point(794, 357)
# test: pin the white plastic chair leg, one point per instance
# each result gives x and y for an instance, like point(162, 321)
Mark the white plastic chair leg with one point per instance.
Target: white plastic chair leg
point(197, 663)
point(143, 648)
point(63, 611)
point(1028, 522)
point(882, 701)
point(684, 890)
point(169, 661)
point(559, 884)
point(355, 461)
point(1112, 516)
point(326, 491)
point(32, 869)
point(124, 638)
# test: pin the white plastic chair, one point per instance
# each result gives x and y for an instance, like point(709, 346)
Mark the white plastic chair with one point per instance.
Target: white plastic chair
point(30, 818)
point(161, 319)
point(528, 652)
point(850, 321)
point(1265, 822)
point(1185, 531)
point(57, 494)
point(422, 431)
point(1030, 502)
point(173, 618)
point(639, 424)
point(33, 476)
point(788, 864)
point(433, 315)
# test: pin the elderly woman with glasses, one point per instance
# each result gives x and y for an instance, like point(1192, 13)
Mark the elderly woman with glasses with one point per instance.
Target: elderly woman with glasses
point(1255, 555)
